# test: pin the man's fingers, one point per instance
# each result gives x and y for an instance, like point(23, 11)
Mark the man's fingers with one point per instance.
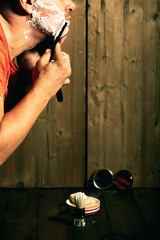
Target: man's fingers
point(44, 59)
point(57, 53)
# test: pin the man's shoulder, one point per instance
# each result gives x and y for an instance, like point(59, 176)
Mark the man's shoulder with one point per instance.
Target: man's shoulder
point(4, 68)
point(4, 54)
point(4, 60)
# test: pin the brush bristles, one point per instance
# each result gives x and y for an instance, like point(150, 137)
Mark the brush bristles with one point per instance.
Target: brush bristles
point(80, 199)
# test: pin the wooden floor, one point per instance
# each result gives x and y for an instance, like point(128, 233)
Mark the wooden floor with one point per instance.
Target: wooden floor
point(30, 214)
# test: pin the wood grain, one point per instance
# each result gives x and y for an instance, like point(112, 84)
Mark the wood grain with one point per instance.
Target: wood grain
point(123, 88)
point(20, 215)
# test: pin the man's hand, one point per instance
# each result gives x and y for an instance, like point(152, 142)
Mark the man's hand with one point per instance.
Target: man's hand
point(50, 76)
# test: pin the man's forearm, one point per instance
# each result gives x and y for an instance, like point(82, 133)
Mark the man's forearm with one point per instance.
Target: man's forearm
point(16, 124)
point(49, 78)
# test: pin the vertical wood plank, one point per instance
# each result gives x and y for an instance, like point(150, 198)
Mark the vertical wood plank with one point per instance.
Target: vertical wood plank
point(157, 121)
point(3, 199)
point(105, 76)
point(132, 88)
point(54, 222)
point(123, 72)
point(68, 158)
point(151, 99)
point(124, 217)
point(147, 201)
point(20, 217)
point(53, 153)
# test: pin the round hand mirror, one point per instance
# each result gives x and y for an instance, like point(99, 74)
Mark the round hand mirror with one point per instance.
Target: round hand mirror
point(103, 179)
point(123, 179)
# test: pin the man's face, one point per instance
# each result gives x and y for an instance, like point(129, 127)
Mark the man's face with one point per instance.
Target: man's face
point(47, 15)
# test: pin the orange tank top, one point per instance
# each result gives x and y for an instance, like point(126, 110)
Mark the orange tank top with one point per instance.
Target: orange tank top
point(7, 66)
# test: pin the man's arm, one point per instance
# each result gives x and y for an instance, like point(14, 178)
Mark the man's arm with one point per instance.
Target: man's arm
point(16, 123)
point(49, 77)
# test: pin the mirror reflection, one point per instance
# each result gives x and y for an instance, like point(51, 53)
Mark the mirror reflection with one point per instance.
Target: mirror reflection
point(123, 179)
point(103, 179)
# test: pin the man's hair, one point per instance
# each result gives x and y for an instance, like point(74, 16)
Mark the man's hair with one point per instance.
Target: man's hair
point(8, 3)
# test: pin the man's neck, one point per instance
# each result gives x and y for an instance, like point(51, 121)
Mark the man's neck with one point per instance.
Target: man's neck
point(18, 34)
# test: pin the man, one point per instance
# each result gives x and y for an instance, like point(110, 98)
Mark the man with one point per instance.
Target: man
point(23, 24)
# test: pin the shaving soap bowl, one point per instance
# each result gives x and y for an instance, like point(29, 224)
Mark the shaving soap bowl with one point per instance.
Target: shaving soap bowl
point(92, 204)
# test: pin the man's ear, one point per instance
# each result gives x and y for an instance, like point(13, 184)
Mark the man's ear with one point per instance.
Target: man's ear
point(27, 5)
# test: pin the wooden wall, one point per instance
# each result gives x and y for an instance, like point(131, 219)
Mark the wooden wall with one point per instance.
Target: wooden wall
point(110, 116)
point(123, 88)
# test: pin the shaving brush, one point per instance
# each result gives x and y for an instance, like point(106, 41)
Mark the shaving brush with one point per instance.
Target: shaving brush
point(79, 214)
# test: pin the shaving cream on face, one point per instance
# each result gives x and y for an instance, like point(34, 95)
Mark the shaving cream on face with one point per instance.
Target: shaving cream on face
point(46, 16)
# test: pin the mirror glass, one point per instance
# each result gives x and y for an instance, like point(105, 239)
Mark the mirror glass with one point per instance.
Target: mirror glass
point(123, 179)
point(103, 179)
